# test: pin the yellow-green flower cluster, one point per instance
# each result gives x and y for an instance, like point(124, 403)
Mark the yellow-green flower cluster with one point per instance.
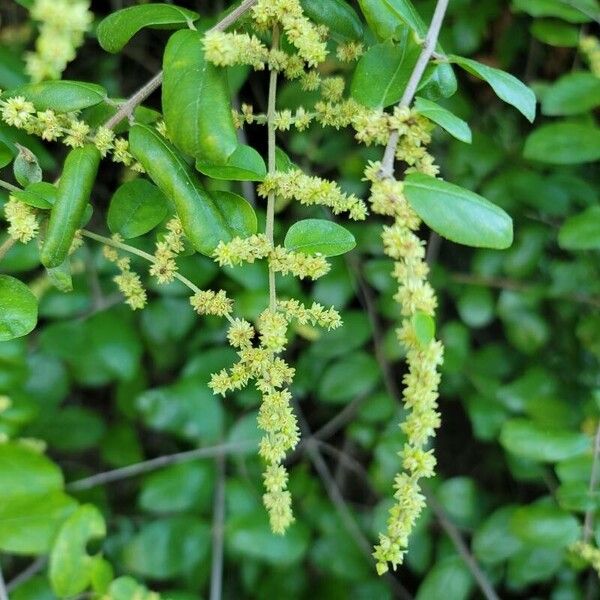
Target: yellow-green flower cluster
point(67, 128)
point(281, 260)
point(22, 220)
point(317, 314)
point(229, 49)
point(350, 51)
point(310, 190)
point(128, 281)
point(416, 298)
point(308, 39)
point(62, 24)
point(587, 552)
point(208, 302)
point(164, 266)
point(590, 48)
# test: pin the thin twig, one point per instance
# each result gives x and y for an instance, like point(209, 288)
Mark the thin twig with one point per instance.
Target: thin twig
point(387, 165)
point(271, 132)
point(158, 463)
point(461, 547)
point(9, 186)
point(218, 531)
point(588, 524)
point(6, 246)
point(126, 109)
point(31, 571)
point(3, 591)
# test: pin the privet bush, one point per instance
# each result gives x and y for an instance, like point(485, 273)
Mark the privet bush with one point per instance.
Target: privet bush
point(287, 227)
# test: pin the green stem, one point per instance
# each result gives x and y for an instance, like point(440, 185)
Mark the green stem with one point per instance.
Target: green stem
point(6, 246)
point(9, 186)
point(272, 167)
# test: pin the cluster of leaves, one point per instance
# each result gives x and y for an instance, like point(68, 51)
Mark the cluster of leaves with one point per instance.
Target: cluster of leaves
point(98, 388)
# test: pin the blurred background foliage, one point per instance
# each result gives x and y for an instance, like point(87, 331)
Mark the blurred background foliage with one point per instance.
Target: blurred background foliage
point(106, 389)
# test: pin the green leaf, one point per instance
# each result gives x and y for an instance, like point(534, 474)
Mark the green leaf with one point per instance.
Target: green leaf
point(185, 487)
point(575, 11)
point(476, 306)
point(555, 33)
point(572, 94)
point(494, 542)
point(26, 167)
point(528, 439)
point(250, 537)
point(241, 217)
point(61, 96)
point(204, 129)
point(60, 277)
point(581, 231)
point(424, 326)
point(18, 309)
point(206, 222)
point(449, 578)
point(26, 472)
point(336, 387)
point(29, 523)
point(117, 29)
point(245, 164)
point(166, 548)
point(544, 524)
point(70, 564)
point(564, 143)
point(136, 208)
point(506, 86)
point(382, 73)
point(39, 195)
point(458, 214)
point(6, 155)
point(444, 118)
point(385, 16)
point(318, 236)
point(337, 15)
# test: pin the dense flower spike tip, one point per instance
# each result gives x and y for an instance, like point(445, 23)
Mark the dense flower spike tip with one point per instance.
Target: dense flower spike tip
point(212, 303)
point(62, 25)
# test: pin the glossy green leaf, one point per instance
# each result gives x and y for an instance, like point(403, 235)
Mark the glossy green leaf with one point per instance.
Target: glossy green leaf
point(318, 236)
point(581, 231)
point(204, 128)
point(449, 578)
point(494, 541)
point(572, 94)
point(205, 221)
point(185, 487)
point(337, 15)
point(29, 523)
point(336, 387)
point(506, 86)
point(136, 208)
point(564, 143)
point(575, 11)
point(385, 16)
point(424, 326)
point(245, 164)
point(61, 96)
point(444, 118)
point(26, 167)
point(383, 71)
point(169, 547)
point(528, 439)
point(18, 309)
point(545, 525)
point(458, 214)
point(26, 472)
point(555, 33)
point(70, 564)
point(6, 155)
point(249, 536)
point(118, 28)
point(39, 195)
